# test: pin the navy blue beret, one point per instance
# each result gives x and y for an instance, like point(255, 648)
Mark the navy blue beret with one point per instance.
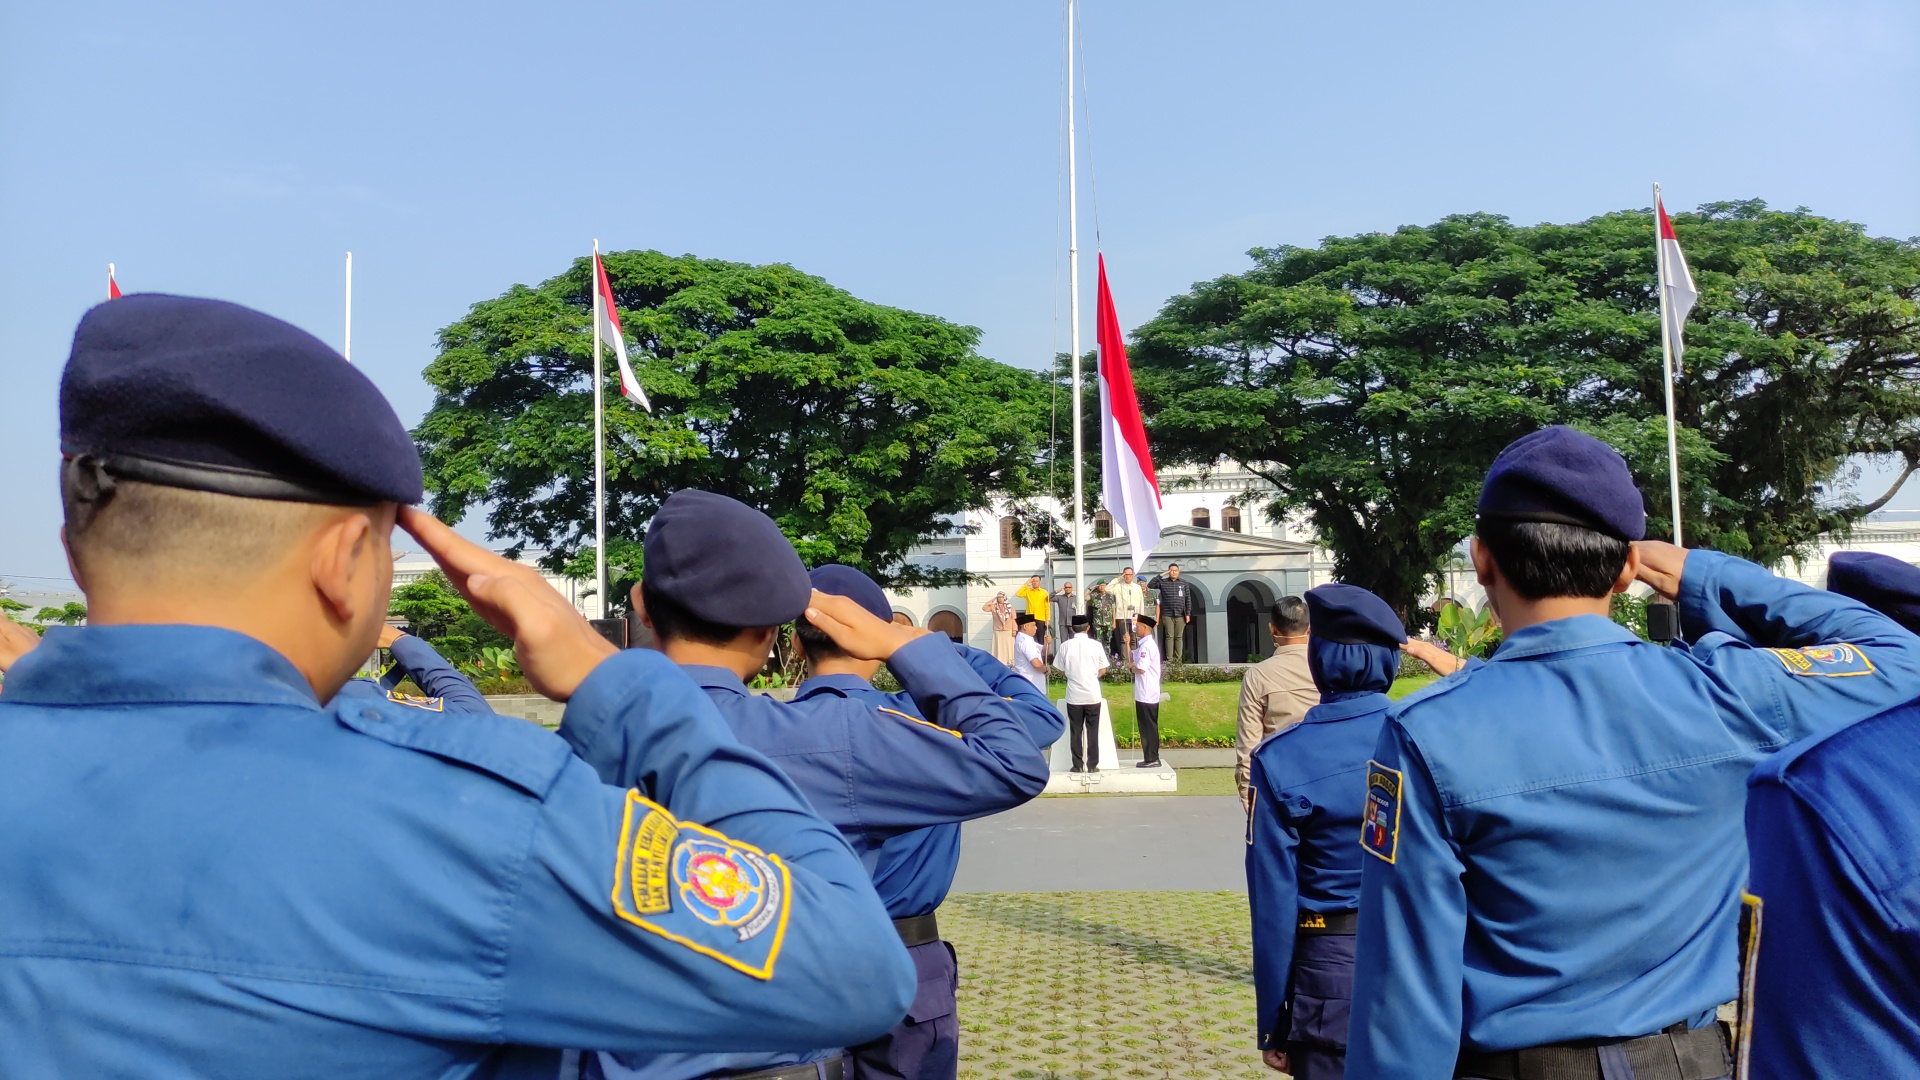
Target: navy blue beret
point(1566, 477)
point(1351, 615)
point(1882, 582)
point(837, 580)
point(724, 561)
point(212, 396)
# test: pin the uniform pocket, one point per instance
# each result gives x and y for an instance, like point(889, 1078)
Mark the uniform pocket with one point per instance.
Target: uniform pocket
point(939, 982)
point(1320, 1021)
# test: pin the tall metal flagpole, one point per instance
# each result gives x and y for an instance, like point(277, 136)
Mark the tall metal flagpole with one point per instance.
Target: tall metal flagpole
point(599, 449)
point(1073, 316)
point(1666, 356)
point(346, 340)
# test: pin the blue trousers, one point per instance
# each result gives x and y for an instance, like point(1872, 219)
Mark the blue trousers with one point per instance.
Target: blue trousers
point(925, 1045)
point(1320, 1000)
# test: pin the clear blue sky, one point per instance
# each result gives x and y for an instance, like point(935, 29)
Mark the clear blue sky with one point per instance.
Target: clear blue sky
point(905, 151)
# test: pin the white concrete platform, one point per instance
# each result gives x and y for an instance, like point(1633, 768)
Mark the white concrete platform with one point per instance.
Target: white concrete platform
point(1115, 774)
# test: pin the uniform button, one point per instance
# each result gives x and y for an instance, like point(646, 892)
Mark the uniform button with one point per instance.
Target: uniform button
point(370, 714)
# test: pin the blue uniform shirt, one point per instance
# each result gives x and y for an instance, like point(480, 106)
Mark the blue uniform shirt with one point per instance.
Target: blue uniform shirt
point(210, 874)
point(875, 772)
point(1831, 826)
point(1308, 783)
point(1555, 836)
point(443, 685)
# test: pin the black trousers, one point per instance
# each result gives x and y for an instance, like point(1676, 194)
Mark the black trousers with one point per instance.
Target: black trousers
point(1147, 715)
point(1084, 720)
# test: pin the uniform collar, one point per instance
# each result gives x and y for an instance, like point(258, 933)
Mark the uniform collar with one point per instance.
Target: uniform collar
point(1563, 635)
point(711, 677)
point(1346, 708)
point(838, 684)
point(148, 664)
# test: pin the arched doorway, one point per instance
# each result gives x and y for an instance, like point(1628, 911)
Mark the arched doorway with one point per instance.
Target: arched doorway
point(1249, 606)
point(948, 623)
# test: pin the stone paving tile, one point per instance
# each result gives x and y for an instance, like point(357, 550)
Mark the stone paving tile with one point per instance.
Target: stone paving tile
point(1083, 986)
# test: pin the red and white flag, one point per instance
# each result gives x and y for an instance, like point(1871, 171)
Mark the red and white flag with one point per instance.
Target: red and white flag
point(113, 287)
point(1676, 283)
point(606, 328)
point(1131, 493)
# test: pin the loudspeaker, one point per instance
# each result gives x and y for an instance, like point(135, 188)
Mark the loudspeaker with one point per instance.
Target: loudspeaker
point(614, 630)
point(1663, 620)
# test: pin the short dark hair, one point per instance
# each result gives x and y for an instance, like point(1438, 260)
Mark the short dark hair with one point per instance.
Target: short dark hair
point(673, 622)
point(1542, 559)
point(1290, 616)
point(818, 645)
point(1173, 566)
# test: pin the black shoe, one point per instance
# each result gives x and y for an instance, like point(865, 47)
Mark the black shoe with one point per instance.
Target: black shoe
point(1147, 764)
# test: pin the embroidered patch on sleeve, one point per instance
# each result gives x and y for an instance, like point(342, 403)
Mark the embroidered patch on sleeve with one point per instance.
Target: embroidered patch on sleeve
point(1829, 661)
point(720, 897)
point(1380, 824)
point(431, 704)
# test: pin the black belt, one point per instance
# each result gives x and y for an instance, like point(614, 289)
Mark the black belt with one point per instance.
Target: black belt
point(917, 929)
point(1327, 924)
point(834, 1069)
point(1674, 1054)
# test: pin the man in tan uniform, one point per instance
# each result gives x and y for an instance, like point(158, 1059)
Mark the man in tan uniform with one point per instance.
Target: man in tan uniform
point(1277, 691)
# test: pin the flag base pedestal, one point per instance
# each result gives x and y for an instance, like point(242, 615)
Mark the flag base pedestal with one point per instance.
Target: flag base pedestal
point(1115, 776)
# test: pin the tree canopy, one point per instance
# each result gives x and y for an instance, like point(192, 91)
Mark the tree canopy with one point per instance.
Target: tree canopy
point(858, 427)
point(1374, 378)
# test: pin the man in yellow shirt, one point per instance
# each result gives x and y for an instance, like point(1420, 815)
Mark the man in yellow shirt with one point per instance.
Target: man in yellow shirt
point(1039, 605)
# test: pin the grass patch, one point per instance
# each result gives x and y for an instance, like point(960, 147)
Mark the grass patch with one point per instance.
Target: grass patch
point(1195, 714)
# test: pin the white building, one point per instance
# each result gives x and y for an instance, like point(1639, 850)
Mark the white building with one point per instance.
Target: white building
point(411, 566)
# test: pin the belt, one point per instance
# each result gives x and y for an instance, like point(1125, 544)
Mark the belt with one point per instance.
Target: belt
point(830, 1069)
point(917, 929)
point(1674, 1054)
point(1327, 923)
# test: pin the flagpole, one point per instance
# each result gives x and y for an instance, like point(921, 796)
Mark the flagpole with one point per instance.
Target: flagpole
point(1666, 359)
point(1073, 317)
point(346, 344)
point(599, 447)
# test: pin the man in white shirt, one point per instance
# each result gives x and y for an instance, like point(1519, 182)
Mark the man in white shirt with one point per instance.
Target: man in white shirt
point(1029, 656)
point(1082, 660)
point(1146, 691)
point(1129, 601)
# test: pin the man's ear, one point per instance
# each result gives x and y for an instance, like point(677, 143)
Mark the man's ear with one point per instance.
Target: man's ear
point(1628, 572)
point(1485, 571)
point(341, 549)
point(639, 607)
point(73, 568)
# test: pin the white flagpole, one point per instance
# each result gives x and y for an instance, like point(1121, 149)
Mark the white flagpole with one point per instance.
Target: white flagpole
point(1073, 317)
point(109, 281)
point(1666, 357)
point(346, 343)
point(599, 450)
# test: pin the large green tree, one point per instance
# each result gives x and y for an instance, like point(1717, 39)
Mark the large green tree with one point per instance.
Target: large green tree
point(1374, 378)
point(860, 428)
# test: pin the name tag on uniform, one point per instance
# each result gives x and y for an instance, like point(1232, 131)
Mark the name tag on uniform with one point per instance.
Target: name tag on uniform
point(1829, 661)
point(431, 704)
point(1380, 824)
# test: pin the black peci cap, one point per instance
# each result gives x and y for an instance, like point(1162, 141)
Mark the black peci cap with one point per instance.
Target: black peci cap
point(1566, 477)
point(1148, 619)
point(212, 396)
point(724, 561)
point(1352, 615)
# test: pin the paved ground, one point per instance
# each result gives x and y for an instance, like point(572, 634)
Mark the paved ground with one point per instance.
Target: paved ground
point(1086, 985)
point(1139, 842)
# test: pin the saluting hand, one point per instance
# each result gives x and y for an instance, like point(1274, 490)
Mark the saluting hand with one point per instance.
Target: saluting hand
point(1440, 660)
point(16, 641)
point(556, 647)
point(859, 633)
point(1661, 565)
point(388, 635)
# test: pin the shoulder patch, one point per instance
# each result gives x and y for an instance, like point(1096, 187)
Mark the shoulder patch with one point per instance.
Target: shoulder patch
point(719, 897)
point(1828, 661)
point(1380, 823)
point(431, 704)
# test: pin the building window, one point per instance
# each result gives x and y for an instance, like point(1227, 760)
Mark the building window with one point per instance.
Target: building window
point(1009, 538)
point(1230, 518)
point(1202, 519)
point(1102, 525)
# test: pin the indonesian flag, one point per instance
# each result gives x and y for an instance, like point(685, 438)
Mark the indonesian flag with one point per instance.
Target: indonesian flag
point(606, 328)
point(1131, 493)
point(113, 287)
point(1676, 283)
